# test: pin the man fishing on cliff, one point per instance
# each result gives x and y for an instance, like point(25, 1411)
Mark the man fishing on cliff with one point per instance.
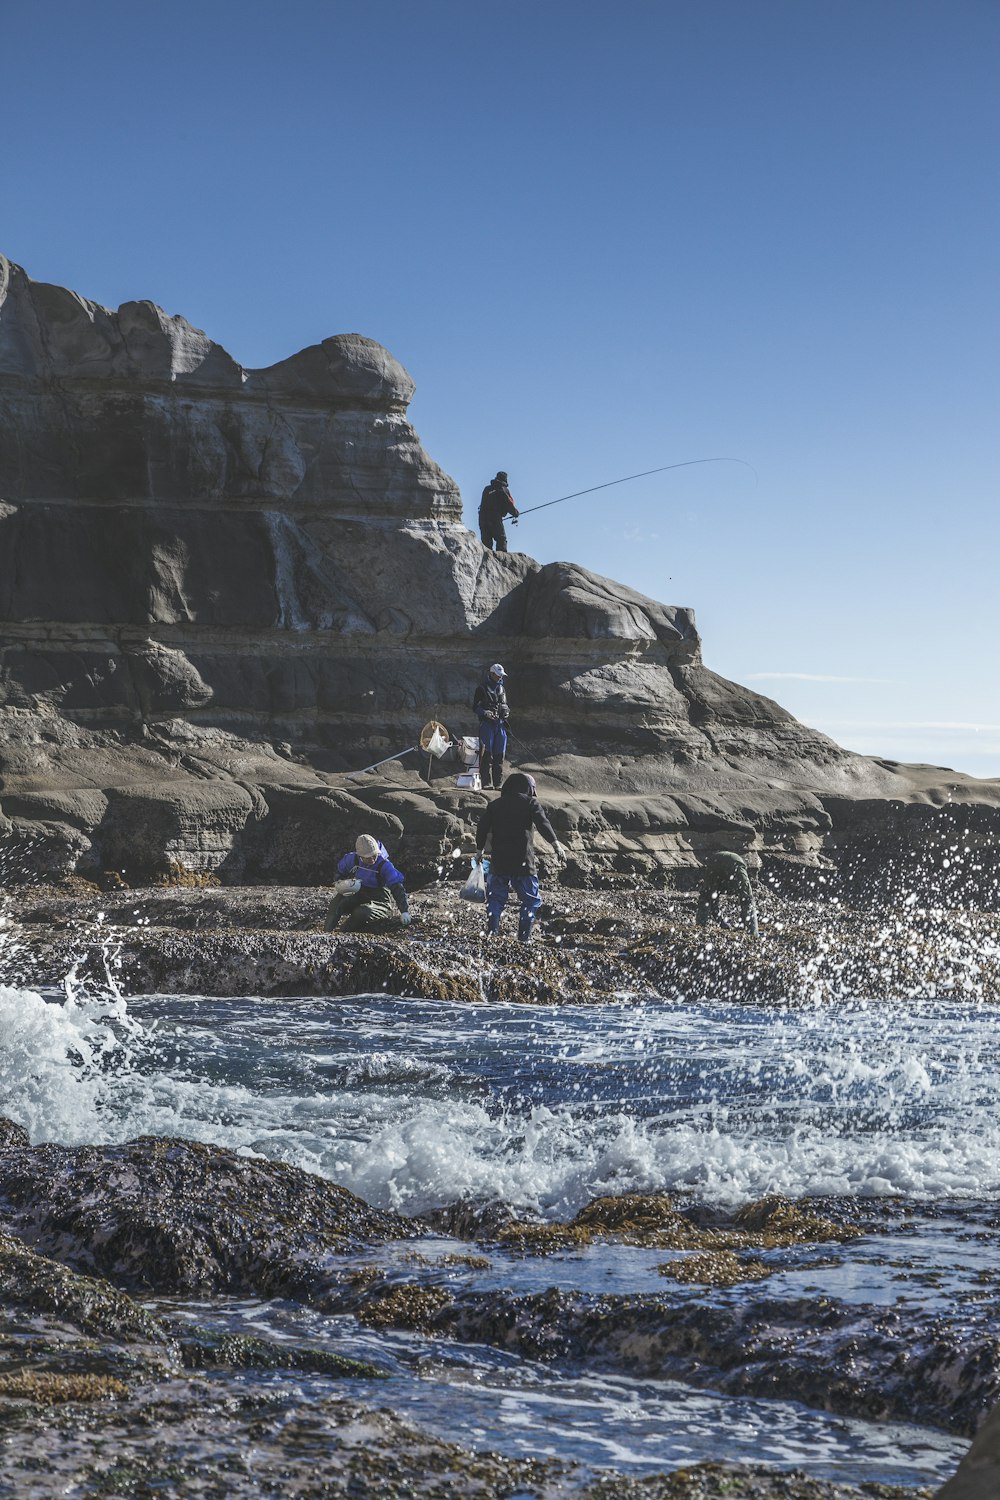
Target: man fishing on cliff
point(496, 503)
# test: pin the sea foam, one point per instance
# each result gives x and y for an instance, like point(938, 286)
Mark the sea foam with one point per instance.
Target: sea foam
point(411, 1107)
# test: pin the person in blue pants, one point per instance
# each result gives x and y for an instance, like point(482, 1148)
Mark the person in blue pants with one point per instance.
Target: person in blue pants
point(508, 823)
point(492, 711)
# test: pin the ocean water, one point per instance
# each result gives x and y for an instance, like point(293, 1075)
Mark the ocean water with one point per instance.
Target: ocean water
point(415, 1105)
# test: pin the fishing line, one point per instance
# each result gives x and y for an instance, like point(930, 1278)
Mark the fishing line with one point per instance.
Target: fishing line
point(687, 464)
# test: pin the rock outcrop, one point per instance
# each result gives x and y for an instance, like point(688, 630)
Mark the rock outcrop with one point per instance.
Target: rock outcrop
point(978, 1475)
point(221, 589)
point(181, 1218)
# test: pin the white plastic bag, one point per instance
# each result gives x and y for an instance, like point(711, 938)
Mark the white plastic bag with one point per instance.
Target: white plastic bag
point(434, 739)
point(474, 888)
point(437, 743)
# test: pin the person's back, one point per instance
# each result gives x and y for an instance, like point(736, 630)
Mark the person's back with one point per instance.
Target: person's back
point(726, 873)
point(508, 821)
point(496, 503)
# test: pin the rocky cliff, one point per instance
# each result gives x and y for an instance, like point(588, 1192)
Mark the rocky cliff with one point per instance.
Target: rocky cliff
point(222, 589)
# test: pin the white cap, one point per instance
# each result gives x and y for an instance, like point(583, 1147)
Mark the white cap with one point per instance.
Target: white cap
point(497, 670)
point(366, 847)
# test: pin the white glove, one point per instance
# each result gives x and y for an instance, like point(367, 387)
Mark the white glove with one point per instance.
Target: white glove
point(347, 887)
point(406, 918)
point(558, 850)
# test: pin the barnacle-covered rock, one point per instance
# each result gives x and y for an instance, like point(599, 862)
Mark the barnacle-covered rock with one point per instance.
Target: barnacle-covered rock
point(174, 1216)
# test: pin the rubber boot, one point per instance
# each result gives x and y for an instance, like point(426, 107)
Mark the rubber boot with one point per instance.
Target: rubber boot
point(497, 770)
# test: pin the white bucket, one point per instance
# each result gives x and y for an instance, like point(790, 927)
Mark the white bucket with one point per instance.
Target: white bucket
point(468, 749)
point(469, 781)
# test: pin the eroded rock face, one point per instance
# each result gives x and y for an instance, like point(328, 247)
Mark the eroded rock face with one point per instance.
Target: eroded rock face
point(221, 588)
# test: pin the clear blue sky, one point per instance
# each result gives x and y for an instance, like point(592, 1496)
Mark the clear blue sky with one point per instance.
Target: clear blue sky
point(602, 237)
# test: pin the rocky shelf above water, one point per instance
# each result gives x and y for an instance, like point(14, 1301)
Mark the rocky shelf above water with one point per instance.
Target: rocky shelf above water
point(591, 947)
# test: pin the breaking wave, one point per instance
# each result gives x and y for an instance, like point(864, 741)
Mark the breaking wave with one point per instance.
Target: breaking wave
point(413, 1105)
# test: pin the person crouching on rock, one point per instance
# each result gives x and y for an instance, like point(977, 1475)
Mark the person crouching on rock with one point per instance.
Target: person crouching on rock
point(371, 894)
point(726, 873)
point(508, 822)
point(491, 709)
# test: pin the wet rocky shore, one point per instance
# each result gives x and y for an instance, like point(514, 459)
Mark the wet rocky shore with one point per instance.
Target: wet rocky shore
point(111, 1385)
point(106, 1389)
point(591, 946)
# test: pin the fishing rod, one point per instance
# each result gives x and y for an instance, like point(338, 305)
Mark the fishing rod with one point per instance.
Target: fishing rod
point(687, 464)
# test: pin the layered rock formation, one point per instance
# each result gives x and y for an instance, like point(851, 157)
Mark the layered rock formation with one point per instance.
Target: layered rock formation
point(221, 589)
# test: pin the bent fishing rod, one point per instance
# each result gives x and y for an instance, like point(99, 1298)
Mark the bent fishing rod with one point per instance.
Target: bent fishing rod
point(687, 464)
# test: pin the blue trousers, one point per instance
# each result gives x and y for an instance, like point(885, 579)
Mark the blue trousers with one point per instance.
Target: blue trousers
point(493, 738)
point(525, 888)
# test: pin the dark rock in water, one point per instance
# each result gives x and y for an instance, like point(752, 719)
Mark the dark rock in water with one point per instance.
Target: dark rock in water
point(656, 1220)
point(201, 1349)
point(34, 1282)
point(222, 588)
point(470, 1219)
point(176, 1217)
point(978, 1475)
point(851, 1359)
point(12, 1135)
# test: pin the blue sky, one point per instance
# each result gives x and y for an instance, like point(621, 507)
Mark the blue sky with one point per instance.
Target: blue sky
point(602, 237)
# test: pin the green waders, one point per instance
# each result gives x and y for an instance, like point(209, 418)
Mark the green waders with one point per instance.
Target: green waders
point(726, 874)
point(365, 910)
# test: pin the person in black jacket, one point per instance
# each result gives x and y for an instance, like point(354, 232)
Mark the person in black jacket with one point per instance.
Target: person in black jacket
point(496, 503)
point(491, 709)
point(508, 822)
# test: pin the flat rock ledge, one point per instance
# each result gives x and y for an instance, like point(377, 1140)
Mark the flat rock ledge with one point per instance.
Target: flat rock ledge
point(590, 947)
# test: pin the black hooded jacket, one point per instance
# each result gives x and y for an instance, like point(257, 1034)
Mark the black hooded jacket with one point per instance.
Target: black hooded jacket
point(509, 819)
point(496, 503)
point(491, 697)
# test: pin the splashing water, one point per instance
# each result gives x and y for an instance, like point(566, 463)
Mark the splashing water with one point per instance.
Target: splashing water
point(65, 1064)
point(413, 1104)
